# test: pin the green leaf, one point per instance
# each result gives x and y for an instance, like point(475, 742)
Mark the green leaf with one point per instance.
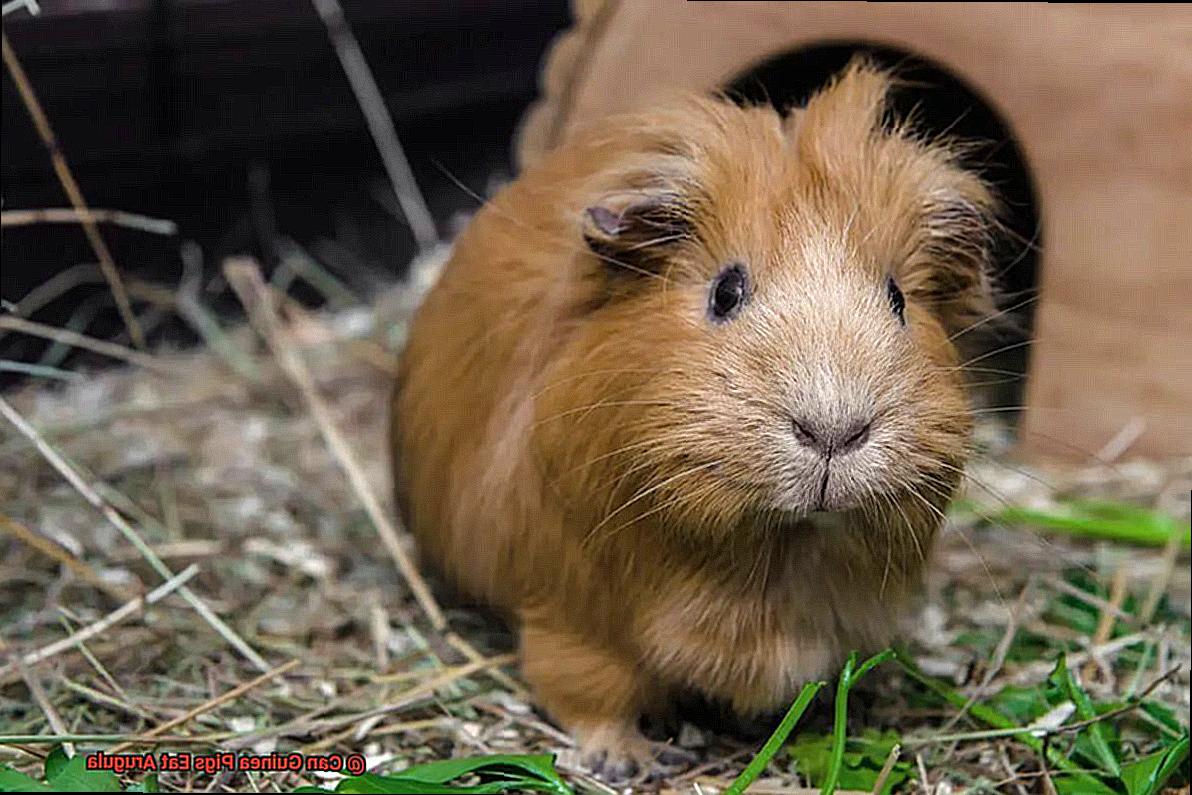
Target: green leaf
point(56, 762)
point(540, 768)
point(75, 777)
point(370, 783)
point(1063, 679)
point(65, 775)
point(1147, 775)
point(1023, 705)
point(1163, 714)
point(149, 784)
point(505, 773)
point(863, 759)
point(1080, 784)
point(16, 781)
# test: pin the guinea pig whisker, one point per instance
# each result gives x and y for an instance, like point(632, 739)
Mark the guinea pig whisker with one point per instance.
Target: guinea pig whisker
point(609, 371)
point(996, 351)
point(996, 381)
point(1089, 455)
point(573, 246)
point(617, 481)
point(990, 370)
point(668, 504)
point(996, 409)
point(1041, 540)
point(993, 317)
point(660, 485)
point(658, 241)
point(910, 526)
point(601, 405)
point(618, 451)
point(968, 542)
point(613, 484)
point(593, 536)
point(1052, 487)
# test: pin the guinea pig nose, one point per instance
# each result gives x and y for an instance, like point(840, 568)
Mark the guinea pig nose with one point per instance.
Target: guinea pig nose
point(832, 440)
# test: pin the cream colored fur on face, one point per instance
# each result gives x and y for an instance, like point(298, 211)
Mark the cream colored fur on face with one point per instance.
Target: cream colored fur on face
point(579, 443)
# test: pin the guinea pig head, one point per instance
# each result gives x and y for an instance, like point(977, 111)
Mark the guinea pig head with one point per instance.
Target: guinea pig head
point(766, 317)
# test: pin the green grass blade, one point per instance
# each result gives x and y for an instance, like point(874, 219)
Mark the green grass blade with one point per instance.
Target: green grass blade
point(839, 725)
point(848, 677)
point(1065, 680)
point(1104, 521)
point(759, 762)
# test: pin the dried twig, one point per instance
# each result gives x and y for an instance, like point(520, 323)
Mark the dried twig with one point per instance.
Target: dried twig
point(992, 734)
point(1162, 579)
point(1035, 672)
point(77, 340)
point(1117, 597)
point(52, 716)
point(460, 644)
point(92, 496)
point(887, 768)
point(419, 692)
point(207, 706)
point(70, 215)
point(71, 187)
point(999, 655)
point(246, 281)
point(1105, 606)
point(108, 621)
point(48, 548)
point(380, 123)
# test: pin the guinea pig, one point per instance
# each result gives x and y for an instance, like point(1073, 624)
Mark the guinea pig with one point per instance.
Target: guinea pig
point(684, 403)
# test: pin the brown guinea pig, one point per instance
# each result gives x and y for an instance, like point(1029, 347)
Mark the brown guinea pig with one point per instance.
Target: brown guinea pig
point(684, 402)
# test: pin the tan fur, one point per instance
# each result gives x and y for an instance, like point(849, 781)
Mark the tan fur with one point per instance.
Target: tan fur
point(577, 444)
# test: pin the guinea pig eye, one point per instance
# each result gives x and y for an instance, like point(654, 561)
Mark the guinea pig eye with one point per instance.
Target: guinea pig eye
point(897, 299)
point(729, 292)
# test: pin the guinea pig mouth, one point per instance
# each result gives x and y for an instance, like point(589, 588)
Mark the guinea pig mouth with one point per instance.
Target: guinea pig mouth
point(834, 487)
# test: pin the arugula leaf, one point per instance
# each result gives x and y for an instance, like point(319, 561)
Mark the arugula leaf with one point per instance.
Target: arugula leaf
point(863, 759)
point(505, 773)
point(56, 762)
point(15, 781)
point(62, 775)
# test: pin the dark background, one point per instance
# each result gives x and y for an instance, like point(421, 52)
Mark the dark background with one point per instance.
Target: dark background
point(235, 120)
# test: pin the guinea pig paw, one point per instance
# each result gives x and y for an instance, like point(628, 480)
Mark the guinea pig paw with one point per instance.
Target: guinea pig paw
point(614, 755)
point(611, 766)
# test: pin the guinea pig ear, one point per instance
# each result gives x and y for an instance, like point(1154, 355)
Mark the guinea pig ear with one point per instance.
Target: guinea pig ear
point(959, 244)
point(632, 232)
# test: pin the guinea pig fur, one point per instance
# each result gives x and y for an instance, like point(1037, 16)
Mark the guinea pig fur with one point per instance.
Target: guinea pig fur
point(684, 403)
